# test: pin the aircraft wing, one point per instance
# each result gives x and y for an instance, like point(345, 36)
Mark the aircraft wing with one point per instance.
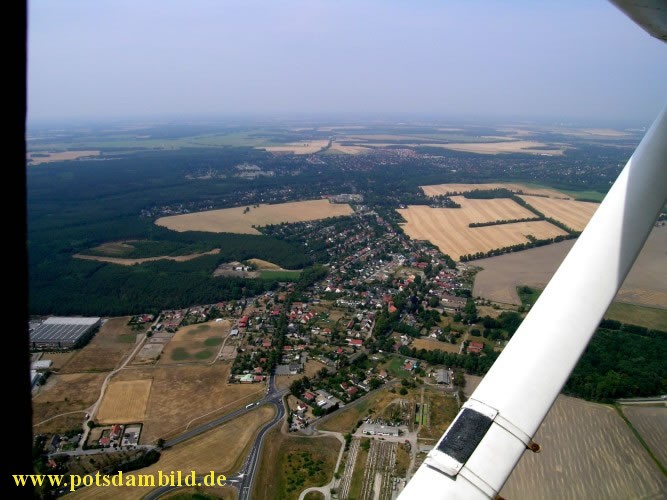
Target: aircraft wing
point(481, 447)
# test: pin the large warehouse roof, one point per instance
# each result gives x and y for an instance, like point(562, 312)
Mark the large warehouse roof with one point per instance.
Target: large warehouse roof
point(66, 331)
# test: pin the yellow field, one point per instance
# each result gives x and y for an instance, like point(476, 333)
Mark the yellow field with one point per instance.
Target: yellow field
point(298, 148)
point(574, 214)
point(447, 228)
point(124, 402)
point(264, 264)
point(234, 220)
point(131, 262)
point(487, 148)
point(439, 189)
point(203, 454)
point(350, 150)
point(587, 452)
point(432, 345)
point(61, 156)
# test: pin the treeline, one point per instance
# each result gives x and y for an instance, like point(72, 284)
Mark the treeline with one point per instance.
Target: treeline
point(516, 248)
point(504, 221)
point(488, 194)
point(473, 364)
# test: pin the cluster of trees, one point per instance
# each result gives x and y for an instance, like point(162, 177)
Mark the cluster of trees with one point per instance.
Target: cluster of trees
point(517, 248)
point(476, 365)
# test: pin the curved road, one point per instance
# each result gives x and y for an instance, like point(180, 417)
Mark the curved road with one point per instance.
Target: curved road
point(243, 480)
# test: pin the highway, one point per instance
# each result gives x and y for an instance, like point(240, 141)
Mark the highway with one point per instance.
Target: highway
point(244, 479)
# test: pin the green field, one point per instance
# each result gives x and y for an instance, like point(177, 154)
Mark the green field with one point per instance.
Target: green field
point(528, 295)
point(649, 317)
point(268, 274)
point(395, 368)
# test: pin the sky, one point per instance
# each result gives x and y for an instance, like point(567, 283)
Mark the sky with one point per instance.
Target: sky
point(566, 59)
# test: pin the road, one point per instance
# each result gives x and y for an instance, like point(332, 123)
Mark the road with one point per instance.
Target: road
point(244, 479)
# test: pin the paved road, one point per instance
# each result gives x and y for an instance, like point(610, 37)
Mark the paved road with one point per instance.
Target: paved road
point(243, 480)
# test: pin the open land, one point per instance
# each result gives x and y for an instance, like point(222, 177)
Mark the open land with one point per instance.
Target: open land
point(188, 395)
point(37, 158)
point(345, 419)
point(201, 492)
point(644, 285)
point(493, 148)
point(350, 150)
point(651, 423)
point(203, 454)
point(440, 189)
point(298, 148)
point(632, 314)
point(574, 214)
point(432, 344)
point(64, 394)
point(130, 262)
point(196, 343)
point(105, 351)
point(448, 228)
point(285, 463)
point(234, 220)
point(587, 452)
point(124, 402)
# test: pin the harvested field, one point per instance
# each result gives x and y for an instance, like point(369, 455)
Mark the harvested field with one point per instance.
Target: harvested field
point(130, 262)
point(447, 228)
point(124, 402)
point(651, 423)
point(298, 148)
point(574, 214)
point(587, 452)
point(432, 344)
point(38, 157)
point(106, 350)
point(646, 283)
point(290, 464)
point(60, 359)
point(350, 150)
point(203, 454)
point(64, 394)
point(188, 395)
point(440, 189)
point(234, 220)
point(195, 343)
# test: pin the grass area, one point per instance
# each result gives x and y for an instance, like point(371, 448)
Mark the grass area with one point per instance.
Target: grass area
point(395, 367)
point(442, 409)
point(268, 274)
point(344, 420)
point(402, 460)
point(577, 195)
point(205, 354)
point(202, 328)
point(127, 338)
point(649, 317)
point(290, 464)
point(212, 341)
point(180, 354)
point(314, 495)
point(528, 295)
point(359, 469)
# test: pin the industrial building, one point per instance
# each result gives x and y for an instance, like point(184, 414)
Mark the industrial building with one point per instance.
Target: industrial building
point(379, 430)
point(61, 332)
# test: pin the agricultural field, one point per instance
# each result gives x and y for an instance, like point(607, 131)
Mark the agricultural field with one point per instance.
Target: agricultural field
point(587, 452)
point(651, 423)
point(494, 148)
point(645, 284)
point(337, 147)
point(432, 344)
point(198, 343)
point(242, 219)
point(648, 317)
point(195, 394)
point(298, 148)
point(448, 228)
point(105, 351)
point(574, 214)
point(124, 402)
point(131, 262)
point(62, 395)
point(202, 454)
point(39, 157)
point(290, 464)
point(441, 189)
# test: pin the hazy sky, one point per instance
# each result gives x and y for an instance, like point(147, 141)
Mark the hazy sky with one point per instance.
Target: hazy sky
point(137, 58)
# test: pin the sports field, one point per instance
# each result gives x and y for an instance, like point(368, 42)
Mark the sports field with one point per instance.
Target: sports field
point(242, 219)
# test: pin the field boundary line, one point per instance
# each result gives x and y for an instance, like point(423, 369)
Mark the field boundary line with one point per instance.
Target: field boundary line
point(639, 437)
